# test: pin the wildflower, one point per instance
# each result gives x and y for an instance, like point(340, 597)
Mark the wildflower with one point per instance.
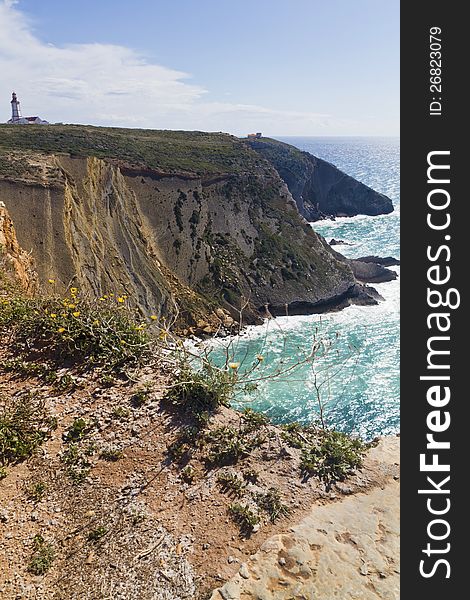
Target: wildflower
point(234, 365)
point(76, 313)
point(61, 329)
point(71, 306)
point(123, 342)
point(53, 315)
point(259, 357)
point(51, 281)
point(153, 317)
point(73, 291)
point(102, 299)
point(96, 322)
point(120, 299)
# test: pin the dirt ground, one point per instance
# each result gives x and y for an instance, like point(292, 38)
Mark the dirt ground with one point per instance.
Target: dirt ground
point(127, 520)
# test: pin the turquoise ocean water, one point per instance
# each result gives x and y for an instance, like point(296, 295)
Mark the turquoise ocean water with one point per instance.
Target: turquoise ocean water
point(355, 372)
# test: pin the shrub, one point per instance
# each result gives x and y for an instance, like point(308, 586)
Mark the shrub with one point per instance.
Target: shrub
point(271, 503)
point(78, 430)
point(24, 425)
point(36, 491)
point(111, 454)
point(253, 420)
point(76, 329)
point(334, 456)
point(231, 483)
point(225, 446)
point(43, 556)
point(202, 390)
point(246, 518)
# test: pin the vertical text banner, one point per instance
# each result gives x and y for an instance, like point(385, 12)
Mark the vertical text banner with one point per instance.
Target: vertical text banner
point(435, 435)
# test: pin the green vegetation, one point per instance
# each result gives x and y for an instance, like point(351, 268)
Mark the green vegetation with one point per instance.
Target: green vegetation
point(43, 556)
point(78, 430)
point(3, 473)
point(188, 474)
point(202, 390)
point(271, 503)
point(86, 332)
point(253, 420)
point(245, 517)
point(226, 445)
point(36, 491)
point(77, 463)
point(141, 396)
point(43, 370)
point(334, 456)
point(24, 425)
point(231, 484)
point(111, 454)
point(96, 534)
point(171, 151)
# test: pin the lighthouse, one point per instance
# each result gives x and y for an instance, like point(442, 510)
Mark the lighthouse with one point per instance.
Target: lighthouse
point(17, 119)
point(15, 108)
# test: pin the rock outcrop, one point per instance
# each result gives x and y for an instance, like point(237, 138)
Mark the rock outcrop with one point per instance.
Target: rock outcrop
point(319, 188)
point(341, 551)
point(184, 222)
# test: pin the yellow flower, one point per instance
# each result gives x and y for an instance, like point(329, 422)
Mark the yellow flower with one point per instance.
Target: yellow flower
point(153, 317)
point(123, 342)
point(71, 306)
point(51, 281)
point(76, 314)
point(96, 322)
point(73, 291)
point(259, 357)
point(120, 299)
point(53, 315)
point(61, 329)
point(234, 365)
point(102, 299)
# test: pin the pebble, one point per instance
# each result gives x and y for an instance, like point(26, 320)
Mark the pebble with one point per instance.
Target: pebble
point(232, 559)
point(244, 571)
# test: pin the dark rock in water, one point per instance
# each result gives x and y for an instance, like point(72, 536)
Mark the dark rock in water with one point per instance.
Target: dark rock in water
point(388, 261)
point(355, 294)
point(320, 189)
point(334, 242)
point(368, 272)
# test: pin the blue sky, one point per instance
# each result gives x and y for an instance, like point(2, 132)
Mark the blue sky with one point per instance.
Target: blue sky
point(285, 67)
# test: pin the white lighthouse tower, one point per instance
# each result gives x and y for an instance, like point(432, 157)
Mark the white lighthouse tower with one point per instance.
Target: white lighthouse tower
point(18, 119)
point(15, 109)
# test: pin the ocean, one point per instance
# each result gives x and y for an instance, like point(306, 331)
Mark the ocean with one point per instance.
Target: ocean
point(344, 364)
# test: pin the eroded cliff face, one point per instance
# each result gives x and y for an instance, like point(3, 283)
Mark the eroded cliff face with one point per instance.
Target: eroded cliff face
point(180, 243)
point(16, 266)
point(319, 188)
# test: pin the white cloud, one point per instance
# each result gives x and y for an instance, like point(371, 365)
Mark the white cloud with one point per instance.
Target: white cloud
point(106, 84)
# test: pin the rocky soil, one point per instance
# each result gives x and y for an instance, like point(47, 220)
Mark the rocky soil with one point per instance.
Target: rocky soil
point(343, 550)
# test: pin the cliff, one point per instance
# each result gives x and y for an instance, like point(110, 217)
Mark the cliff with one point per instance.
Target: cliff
point(318, 187)
point(185, 222)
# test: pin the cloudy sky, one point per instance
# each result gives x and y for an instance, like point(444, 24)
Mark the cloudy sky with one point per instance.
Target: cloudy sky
point(283, 67)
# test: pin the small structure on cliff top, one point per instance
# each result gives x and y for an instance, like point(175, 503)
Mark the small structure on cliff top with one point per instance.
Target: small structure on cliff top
point(17, 119)
point(253, 136)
